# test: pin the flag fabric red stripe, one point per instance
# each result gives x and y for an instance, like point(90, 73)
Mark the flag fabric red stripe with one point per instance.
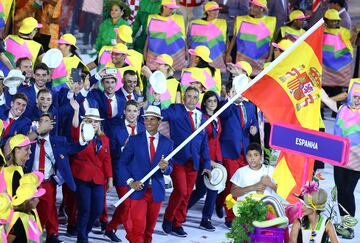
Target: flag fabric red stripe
point(277, 100)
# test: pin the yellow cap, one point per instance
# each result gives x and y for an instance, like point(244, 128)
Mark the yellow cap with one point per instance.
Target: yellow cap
point(19, 140)
point(26, 192)
point(67, 39)
point(5, 206)
point(283, 44)
point(169, 3)
point(125, 33)
point(297, 14)
point(164, 59)
point(201, 51)
point(120, 48)
point(245, 66)
point(35, 178)
point(210, 6)
point(260, 3)
point(332, 14)
point(28, 25)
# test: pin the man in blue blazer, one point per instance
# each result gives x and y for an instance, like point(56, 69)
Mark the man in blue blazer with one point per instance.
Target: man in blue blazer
point(121, 130)
point(110, 104)
point(238, 122)
point(41, 77)
point(45, 104)
point(17, 122)
point(183, 120)
point(141, 154)
point(50, 155)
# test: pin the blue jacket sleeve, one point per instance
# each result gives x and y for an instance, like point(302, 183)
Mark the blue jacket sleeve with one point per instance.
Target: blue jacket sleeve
point(126, 158)
point(170, 165)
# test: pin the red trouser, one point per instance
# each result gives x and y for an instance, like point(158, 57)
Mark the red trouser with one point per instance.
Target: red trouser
point(121, 214)
point(69, 200)
point(47, 209)
point(143, 213)
point(231, 166)
point(183, 178)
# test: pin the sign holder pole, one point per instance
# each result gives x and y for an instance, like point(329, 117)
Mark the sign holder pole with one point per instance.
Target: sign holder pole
point(306, 165)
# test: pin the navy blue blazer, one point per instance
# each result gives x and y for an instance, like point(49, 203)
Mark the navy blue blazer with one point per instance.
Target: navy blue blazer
point(136, 96)
point(102, 103)
point(31, 95)
point(135, 161)
point(118, 137)
point(61, 150)
point(233, 136)
point(180, 129)
point(59, 114)
point(21, 125)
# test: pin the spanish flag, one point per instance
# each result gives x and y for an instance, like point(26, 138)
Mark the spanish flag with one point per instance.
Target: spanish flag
point(288, 91)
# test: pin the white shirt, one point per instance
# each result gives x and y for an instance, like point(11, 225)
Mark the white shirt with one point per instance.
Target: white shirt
point(126, 94)
point(129, 130)
point(36, 90)
point(11, 116)
point(156, 142)
point(2, 99)
point(196, 116)
point(114, 105)
point(49, 168)
point(245, 176)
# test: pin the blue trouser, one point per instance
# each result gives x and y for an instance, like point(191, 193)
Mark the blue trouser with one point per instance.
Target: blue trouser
point(210, 200)
point(90, 203)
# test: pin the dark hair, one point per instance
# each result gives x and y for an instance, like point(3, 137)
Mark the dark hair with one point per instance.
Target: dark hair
point(206, 96)
point(228, 87)
point(254, 146)
point(41, 66)
point(203, 64)
point(20, 96)
point(340, 2)
point(189, 88)
point(20, 60)
point(131, 73)
point(42, 91)
point(46, 114)
point(131, 102)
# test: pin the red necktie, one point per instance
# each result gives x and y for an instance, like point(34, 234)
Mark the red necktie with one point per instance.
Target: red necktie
point(7, 130)
point(42, 156)
point(241, 116)
point(132, 129)
point(152, 148)
point(109, 109)
point(191, 120)
point(129, 97)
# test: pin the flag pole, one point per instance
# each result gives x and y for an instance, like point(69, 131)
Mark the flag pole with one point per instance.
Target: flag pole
point(226, 105)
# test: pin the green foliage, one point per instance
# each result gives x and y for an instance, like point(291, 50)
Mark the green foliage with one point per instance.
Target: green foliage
point(249, 210)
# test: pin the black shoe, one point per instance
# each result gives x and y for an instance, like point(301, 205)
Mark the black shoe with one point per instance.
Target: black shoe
point(228, 224)
point(167, 226)
point(71, 231)
point(220, 212)
point(112, 236)
point(53, 239)
point(97, 223)
point(207, 225)
point(103, 226)
point(179, 231)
